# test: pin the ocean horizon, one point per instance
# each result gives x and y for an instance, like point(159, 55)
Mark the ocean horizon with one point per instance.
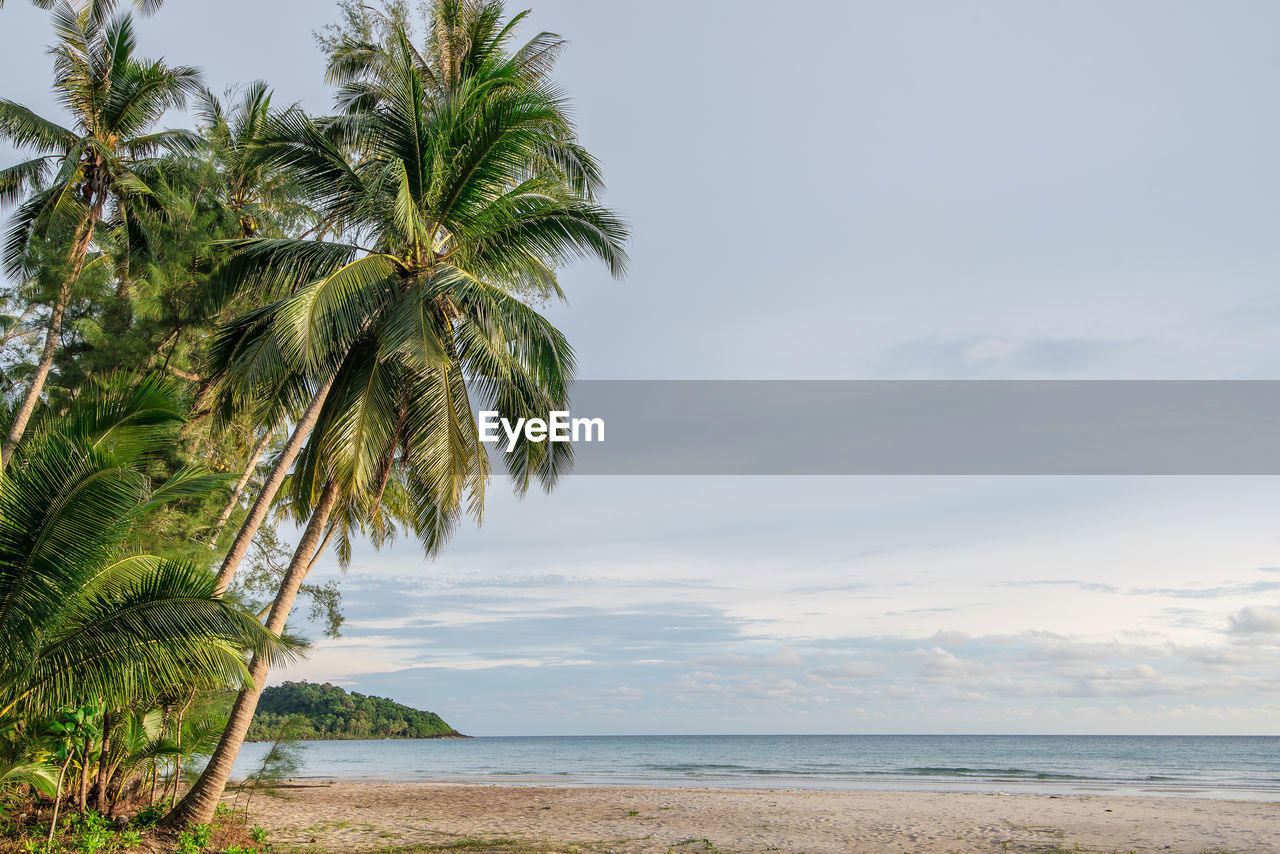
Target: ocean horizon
point(1244, 767)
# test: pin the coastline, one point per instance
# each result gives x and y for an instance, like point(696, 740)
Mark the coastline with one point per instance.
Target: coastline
point(310, 739)
point(369, 816)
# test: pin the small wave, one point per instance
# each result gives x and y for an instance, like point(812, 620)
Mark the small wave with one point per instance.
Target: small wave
point(695, 767)
point(1017, 773)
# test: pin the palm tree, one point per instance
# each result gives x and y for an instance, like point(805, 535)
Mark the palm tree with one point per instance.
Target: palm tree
point(82, 618)
point(257, 195)
point(468, 196)
point(104, 7)
point(80, 175)
point(456, 198)
point(254, 192)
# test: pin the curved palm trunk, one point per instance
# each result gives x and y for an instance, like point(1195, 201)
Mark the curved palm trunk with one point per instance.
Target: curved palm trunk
point(254, 456)
point(198, 805)
point(57, 799)
point(79, 249)
point(258, 513)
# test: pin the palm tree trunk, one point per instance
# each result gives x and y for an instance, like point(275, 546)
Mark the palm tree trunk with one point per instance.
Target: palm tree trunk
point(254, 456)
point(240, 546)
point(104, 770)
point(84, 775)
point(79, 249)
point(199, 804)
point(324, 544)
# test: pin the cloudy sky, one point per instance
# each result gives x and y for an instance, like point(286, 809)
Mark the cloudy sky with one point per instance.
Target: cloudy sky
point(915, 190)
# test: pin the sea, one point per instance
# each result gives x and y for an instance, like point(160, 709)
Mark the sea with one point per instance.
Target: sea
point(1232, 767)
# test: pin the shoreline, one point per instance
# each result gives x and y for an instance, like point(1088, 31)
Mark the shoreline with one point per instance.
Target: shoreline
point(369, 816)
point(939, 786)
point(315, 740)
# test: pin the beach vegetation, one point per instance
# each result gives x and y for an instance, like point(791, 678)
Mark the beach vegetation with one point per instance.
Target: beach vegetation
point(194, 839)
point(232, 347)
point(281, 761)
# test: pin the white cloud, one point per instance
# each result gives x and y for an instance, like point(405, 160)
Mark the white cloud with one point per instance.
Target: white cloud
point(1254, 620)
point(786, 656)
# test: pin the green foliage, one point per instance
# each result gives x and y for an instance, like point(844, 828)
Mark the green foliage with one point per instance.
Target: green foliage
point(148, 816)
point(193, 840)
point(81, 614)
point(128, 838)
point(20, 770)
point(90, 832)
point(330, 712)
point(67, 730)
point(87, 832)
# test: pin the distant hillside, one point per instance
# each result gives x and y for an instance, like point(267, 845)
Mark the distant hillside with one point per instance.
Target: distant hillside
point(333, 713)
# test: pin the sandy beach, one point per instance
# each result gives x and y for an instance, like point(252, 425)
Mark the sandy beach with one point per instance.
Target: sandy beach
point(370, 816)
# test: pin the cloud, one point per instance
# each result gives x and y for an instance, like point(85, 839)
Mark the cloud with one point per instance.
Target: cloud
point(785, 657)
point(937, 663)
point(1254, 620)
point(1218, 591)
point(841, 630)
point(850, 670)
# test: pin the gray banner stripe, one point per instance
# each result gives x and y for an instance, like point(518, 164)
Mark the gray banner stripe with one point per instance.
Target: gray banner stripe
point(930, 428)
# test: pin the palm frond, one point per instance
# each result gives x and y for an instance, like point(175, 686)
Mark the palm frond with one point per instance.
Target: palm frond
point(23, 128)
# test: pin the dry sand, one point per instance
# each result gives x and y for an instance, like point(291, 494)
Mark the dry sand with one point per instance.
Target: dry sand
point(367, 816)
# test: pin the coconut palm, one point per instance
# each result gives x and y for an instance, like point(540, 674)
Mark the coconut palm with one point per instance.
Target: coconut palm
point(465, 202)
point(82, 618)
point(24, 761)
point(104, 7)
point(457, 200)
point(262, 198)
point(87, 172)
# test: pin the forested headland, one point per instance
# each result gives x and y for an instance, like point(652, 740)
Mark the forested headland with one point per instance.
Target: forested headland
point(334, 713)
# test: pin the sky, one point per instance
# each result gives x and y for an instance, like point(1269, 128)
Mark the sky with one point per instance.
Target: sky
point(914, 190)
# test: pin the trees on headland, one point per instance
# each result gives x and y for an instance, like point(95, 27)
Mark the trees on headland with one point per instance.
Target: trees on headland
point(310, 310)
point(329, 712)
